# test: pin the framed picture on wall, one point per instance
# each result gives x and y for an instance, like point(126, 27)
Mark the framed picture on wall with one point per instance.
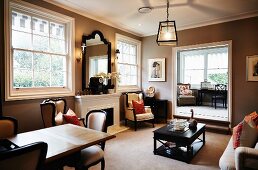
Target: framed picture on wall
point(156, 69)
point(252, 68)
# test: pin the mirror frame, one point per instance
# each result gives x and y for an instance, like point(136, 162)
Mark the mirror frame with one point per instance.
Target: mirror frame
point(84, 40)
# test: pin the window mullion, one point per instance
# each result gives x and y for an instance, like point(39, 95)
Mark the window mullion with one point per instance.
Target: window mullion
point(205, 66)
point(33, 70)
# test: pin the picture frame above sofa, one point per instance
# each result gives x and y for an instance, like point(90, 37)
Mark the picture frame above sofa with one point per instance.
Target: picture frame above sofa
point(252, 68)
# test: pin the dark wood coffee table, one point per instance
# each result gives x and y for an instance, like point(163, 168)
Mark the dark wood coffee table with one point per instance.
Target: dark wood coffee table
point(178, 145)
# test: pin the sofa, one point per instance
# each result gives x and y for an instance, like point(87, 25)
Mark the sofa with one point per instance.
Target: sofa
point(241, 158)
point(241, 152)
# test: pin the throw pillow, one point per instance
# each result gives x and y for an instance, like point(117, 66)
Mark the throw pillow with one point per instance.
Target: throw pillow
point(59, 118)
point(70, 117)
point(252, 116)
point(138, 106)
point(244, 134)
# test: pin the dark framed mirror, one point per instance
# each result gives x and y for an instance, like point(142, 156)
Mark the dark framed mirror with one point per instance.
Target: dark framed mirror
point(96, 56)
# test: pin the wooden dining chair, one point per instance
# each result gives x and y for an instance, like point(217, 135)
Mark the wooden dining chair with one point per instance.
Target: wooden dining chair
point(8, 127)
point(220, 94)
point(49, 109)
point(96, 120)
point(28, 157)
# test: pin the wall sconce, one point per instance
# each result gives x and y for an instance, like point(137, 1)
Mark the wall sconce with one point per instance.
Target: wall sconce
point(117, 52)
point(79, 58)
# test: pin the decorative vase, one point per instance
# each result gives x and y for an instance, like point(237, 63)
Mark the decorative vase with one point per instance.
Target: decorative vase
point(192, 121)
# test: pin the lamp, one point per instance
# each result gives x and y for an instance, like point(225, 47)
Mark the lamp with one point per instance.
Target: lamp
point(79, 58)
point(167, 34)
point(117, 53)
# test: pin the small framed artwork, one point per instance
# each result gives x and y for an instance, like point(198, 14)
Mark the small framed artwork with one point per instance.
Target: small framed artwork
point(156, 69)
point(252, 68)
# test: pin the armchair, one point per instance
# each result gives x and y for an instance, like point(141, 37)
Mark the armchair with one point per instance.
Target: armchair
point(185, 95)
point(131, 113)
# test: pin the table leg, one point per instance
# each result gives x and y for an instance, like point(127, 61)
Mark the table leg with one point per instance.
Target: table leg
point(155, 145)
point(203, 136)
point(189, 153)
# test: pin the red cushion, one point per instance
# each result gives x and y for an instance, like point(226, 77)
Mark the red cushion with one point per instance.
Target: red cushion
point(73, 119)
point(138, 106)
point(252, 116)
point(237, 131)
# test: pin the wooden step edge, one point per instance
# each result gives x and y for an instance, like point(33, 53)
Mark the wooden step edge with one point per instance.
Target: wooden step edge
point(227, 123)
point(218, 129)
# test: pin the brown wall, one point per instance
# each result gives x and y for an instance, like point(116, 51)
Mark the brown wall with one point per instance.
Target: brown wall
point(28, 111)
point(244, 36)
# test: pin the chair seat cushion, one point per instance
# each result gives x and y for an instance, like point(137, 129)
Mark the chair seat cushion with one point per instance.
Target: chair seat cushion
point(145, 116)
point(185, 96)
point(91, 155)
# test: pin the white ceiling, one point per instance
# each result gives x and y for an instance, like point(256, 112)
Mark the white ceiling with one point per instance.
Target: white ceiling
point(124, 14)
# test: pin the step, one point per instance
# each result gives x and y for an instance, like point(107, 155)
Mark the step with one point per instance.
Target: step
point(216, 126)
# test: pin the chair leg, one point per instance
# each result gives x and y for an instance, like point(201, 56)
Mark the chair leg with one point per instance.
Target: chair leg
point(153, 121)
point(215, 103)
point(135, 125)
point(125, 122)
point(103, 164)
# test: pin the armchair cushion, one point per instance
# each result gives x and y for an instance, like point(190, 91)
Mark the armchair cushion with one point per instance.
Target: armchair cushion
point(184, 89)
point(138, 106)
point(133, 96)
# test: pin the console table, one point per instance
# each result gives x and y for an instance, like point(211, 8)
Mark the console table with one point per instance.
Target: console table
point(158, 107)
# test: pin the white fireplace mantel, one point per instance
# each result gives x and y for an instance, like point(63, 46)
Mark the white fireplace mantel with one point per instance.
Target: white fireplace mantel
point(86, 103)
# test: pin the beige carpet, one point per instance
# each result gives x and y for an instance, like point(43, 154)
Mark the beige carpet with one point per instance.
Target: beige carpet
point(132, 150)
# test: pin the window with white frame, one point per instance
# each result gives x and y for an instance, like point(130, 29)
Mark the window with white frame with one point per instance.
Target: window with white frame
point(128, 62)
point(198, 65)
point(40, 56)
point(98, 64)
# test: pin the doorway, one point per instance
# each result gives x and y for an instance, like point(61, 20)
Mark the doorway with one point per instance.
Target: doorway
point(198, 72)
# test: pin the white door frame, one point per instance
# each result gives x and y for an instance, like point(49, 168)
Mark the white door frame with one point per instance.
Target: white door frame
point(174, 72)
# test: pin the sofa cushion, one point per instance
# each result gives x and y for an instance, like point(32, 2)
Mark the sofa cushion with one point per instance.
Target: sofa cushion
point(252, 116)
point(227, 160)
point(245, 134)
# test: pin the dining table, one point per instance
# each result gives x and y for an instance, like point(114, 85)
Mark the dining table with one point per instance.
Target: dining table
point(64, 142)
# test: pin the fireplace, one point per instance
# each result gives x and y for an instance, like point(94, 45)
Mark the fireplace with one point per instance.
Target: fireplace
point(107, 102)
point(110, 116)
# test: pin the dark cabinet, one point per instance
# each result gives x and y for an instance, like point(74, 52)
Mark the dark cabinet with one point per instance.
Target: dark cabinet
point(158, 107)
